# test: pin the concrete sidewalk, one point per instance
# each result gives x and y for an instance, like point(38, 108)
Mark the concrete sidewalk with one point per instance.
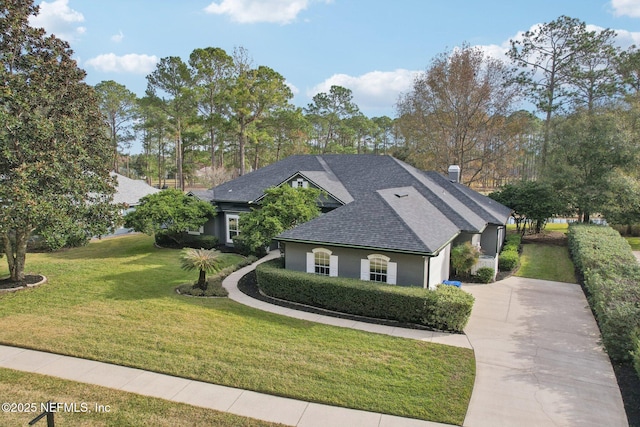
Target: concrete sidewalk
point(236, 401)
point(539, 361)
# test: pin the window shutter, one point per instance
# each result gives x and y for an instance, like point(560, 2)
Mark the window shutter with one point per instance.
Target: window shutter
point(305, 184)
point(294, 184)
point(333, 266)
point(364, 270)
point(311, 263)
point(392, 273)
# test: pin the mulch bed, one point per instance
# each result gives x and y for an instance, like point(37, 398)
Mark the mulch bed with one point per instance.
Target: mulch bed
point(547, 237)
point(30, 279)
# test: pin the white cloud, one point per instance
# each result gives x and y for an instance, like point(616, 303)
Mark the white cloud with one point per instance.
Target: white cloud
point(376, 90)
point(624, 40)
point(292, 87)
point(627, 38)
point(58, 18)
point(626, 8)
point(131, 63)
point(252, 11)
point(117, 37)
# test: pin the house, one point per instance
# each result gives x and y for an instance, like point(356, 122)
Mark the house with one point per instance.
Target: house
point(130, 191)
point(383, 220)
point(128, 194)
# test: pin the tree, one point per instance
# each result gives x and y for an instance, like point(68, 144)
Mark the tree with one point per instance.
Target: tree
point(118, 105)
point(548, 58)
point(327, 113)
point(455, 112)
point(173, 77)
point(54, 155)
point(281, 208)
point(587, 152)
point(532, 202)
point(203, 260)
point(170, 212)
point(255, 94)
point(213, 69)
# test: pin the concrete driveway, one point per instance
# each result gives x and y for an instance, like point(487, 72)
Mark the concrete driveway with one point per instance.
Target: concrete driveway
point(539, 359)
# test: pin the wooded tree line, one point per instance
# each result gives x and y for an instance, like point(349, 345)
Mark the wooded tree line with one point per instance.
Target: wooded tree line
point(221, 111)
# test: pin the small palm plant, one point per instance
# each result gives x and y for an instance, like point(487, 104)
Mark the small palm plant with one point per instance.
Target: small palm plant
point(206, 261)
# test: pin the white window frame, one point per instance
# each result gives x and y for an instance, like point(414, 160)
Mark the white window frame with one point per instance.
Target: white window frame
point(197, 232)
point(300, 183)
point(392, 269)
point(228, 218)
point(333, 261)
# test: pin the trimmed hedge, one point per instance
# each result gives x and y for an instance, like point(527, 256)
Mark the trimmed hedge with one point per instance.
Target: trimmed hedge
point(509, 258)
point(485, 274)
point(611, 275)
point(447, 308)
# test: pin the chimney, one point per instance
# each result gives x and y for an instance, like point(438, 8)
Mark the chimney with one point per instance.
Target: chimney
point(454, 173)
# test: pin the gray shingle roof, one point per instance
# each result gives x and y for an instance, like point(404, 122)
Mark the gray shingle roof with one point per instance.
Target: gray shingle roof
point(373, 222)
point(432, 211)
point(130, 191)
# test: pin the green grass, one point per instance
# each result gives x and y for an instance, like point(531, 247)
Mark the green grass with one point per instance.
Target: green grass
point(546, 262)
point(634, 242)
point(114, 301)
point(117, 408)
point(562, 227)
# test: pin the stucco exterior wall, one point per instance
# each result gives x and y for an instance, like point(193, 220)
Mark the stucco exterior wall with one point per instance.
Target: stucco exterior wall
point(411, 268)
point(492, 239)
point(439, 267)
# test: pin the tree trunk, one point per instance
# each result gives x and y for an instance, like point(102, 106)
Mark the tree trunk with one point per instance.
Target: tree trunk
point(202, 280)
point(16, 251)
point(212, 136)
point(241, 145)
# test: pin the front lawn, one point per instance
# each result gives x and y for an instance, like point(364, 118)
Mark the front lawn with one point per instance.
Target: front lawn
point(546, 262)
point(114, 301)
point(634, 242)
point(115, 408)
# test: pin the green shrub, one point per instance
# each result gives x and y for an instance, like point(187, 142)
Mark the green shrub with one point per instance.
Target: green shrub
point(203, 241)
point(610, 274)
point(508, 260)
point(636, 349)
point(445, 310)
point(512, 242)
point(464, 257)
point(185, 240)
point(451, 309)
point(214, 289)
point(485, 274)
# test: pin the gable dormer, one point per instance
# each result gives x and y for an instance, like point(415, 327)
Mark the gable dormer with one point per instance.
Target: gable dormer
point(321, 181)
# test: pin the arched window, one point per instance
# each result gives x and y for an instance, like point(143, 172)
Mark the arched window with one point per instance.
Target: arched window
point(378, 268)
point(321, 261)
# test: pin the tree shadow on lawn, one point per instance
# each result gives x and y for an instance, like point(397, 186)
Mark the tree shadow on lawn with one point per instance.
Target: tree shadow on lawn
point(117, 247)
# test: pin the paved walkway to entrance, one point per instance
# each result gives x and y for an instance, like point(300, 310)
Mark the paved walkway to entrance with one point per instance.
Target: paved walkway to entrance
point(539, 361)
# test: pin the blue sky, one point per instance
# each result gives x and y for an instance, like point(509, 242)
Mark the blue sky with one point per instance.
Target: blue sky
point(373, 47)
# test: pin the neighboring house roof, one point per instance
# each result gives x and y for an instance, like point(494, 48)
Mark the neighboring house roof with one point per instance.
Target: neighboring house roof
point(386, 202)
point(130, 191)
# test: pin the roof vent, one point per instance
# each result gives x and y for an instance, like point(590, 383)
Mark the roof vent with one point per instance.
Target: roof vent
point(454, 173)
point(399, 195)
